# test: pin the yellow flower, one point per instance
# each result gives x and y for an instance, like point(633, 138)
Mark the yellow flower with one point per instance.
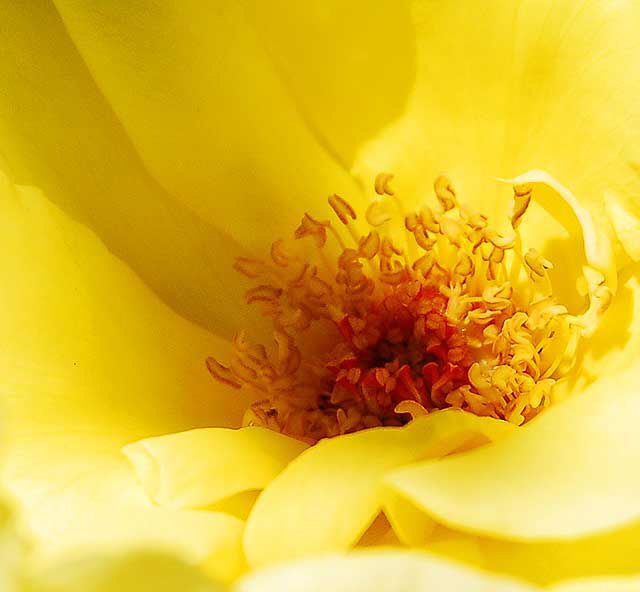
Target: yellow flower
point(171, 138)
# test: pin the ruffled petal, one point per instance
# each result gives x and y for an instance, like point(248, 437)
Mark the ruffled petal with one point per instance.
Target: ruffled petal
point(328, 496)
point(200, 467)
point(558, 201)
point(376, 571)
point(566, 474)
point(208, 113)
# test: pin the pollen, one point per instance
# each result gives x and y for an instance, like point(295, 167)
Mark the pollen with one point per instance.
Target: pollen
point(379, 320)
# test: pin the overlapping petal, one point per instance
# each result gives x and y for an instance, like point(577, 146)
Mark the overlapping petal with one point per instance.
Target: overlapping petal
point(207, 111)
point(200, 467)
point(608, 554)
point(221, 121)
point(567, 474)
point(328, 496)
point(92, 360)
point(58, 133)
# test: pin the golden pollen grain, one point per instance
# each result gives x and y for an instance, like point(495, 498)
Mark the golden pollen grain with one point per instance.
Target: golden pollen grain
point(379, 321)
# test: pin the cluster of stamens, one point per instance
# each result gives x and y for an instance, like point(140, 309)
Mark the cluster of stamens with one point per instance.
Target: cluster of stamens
point(376, 332)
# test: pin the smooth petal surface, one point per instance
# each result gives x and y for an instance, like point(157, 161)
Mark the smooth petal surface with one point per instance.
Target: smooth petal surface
point(92, 360)
point(544, 563)
point(513, 86)
point(87, 345)
point(624, 213)
point(600, 585)
point(57, 132)
point(349, 66)
point(376, 571)
point(200, 467)
point(208, 113)
point(328, 496)
point(567, 474)
point(133, 572)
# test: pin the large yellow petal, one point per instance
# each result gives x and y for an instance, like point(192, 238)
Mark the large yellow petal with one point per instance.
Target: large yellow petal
point(328, 496)
point(566, 474)
point(376, 571)
point(200, 467)
point(92, 360)
point(57, 132)
point(349, 65)
point(210, 117)
point(87, 345)
point(506, 87)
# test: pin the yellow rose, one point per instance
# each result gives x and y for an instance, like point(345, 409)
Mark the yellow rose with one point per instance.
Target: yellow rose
point(168, 139)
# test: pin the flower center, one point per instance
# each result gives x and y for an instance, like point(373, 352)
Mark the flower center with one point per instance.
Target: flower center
point(374, 333)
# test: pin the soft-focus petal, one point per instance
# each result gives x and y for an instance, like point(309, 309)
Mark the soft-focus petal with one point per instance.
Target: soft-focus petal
point(567, 474)
point(600, 585)
point(57, 132)
point(612, 553)
point(13, 551)
point(77, 495)
point(376, 571)
point(199, 467)
point(132, 572)
point(207, 111)
point(506, 87)
point(624, 214)
point(92, 360)
point(328, 496)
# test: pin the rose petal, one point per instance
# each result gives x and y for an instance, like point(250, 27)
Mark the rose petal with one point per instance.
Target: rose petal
point(509, 87)
point(91, 360)
point(566, 474)
point(60, 134)
point(376, 571)
point(208, 113)
point(327, 497)
point(200, 467)
point(126, 572)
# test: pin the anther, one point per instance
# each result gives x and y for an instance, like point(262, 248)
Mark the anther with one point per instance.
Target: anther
point(222, 373)
point(378, 213)
point(381, 184)
point(309, 226)
point(521, 200)
point(445, 193)
point(537, 263)
point(342, 208)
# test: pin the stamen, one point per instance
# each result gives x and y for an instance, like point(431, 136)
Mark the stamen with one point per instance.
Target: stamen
point(379, 334)
point(381, 184)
